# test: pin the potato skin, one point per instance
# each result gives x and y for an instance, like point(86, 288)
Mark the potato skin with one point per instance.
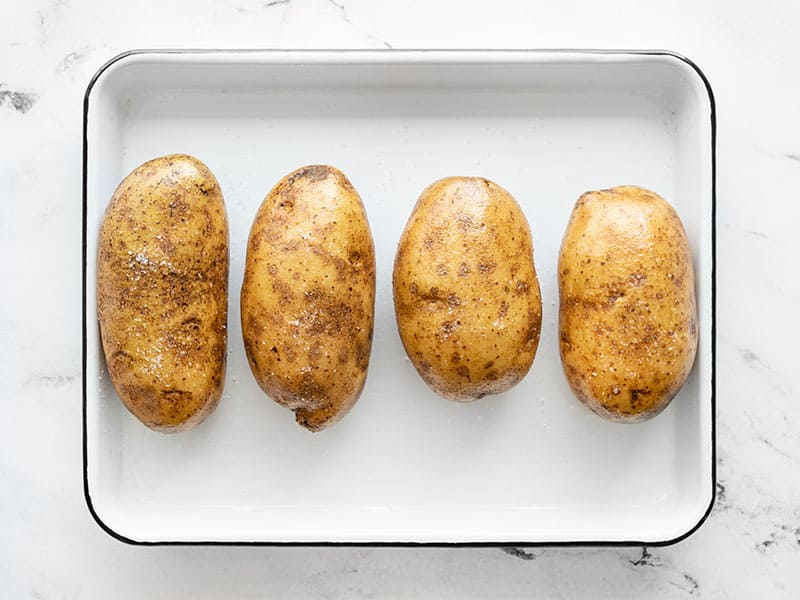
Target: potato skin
point(627, 312)
point(308, 295)
point(162, 292)
point(466, 296)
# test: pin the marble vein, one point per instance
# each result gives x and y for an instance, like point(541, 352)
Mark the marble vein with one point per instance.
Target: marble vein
point(758, 234)
point(692, 586)
point(750, 357)
point(647, 559)
point(774, 448)
point(758, 364)
point(20, 101)
point(70, 60)
point(343, 10)
point(518, 553)
point(780, 534)
point(721, 500)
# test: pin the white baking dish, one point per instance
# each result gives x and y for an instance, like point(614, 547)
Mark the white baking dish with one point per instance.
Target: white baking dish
point(405, 466)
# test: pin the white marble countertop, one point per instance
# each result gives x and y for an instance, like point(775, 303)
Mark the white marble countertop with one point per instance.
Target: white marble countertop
point(748, 547)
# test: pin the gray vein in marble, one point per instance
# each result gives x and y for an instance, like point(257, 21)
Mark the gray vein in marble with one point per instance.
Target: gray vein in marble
point(518, 553)
point(759, 234)
point(70, 59)
point(53, 7)
point(792, 531)
point(773, 447)
point(347, 20)
point(792, 156)
point(781, 533)
point(763, 513)
point(721, 500)
point(763, 546)
point(752, 232)
point(276, 3)
point(750, 357)
point(20, 101)
point(770, 526)
point(693, 585)
point(681, 580)
point(755, 362)
point(50, 380)
point(647, 559)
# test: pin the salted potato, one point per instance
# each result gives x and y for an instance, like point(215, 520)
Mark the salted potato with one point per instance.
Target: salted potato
point(308, 295)
point(162, 292)
point(627, 314)
point(466, 296)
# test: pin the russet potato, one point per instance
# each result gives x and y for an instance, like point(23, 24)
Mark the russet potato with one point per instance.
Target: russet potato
point(162, 291)
point(466, 295)
point(627, 312)
point(308, 295)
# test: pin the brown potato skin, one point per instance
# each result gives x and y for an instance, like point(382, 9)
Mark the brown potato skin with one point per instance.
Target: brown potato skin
point(162, 292)
point(308, 295)
point(627, 311)
point(466, 296)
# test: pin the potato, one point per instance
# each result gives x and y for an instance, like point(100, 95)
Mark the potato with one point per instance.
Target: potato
point(466, 296)
point(627, 313)
point(308, 295)
point(162, 292)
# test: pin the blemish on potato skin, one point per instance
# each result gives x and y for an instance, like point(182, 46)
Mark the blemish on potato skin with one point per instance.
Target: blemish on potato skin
point(283, 289)
point(638, 279)
point(343, 357)
point(503, 311)
point(448, 327)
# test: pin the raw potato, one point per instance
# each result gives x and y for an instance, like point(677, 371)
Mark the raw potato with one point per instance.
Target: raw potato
point(308, 295)
point(466, 294)
point(628, 317)
point(162, 292)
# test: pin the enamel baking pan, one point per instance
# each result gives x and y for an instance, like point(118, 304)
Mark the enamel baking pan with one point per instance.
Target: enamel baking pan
point(531, 466)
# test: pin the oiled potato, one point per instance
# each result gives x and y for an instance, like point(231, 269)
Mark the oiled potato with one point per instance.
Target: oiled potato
point(466, 294)
point(162, 292)
point(627, 317)
point(308, 295)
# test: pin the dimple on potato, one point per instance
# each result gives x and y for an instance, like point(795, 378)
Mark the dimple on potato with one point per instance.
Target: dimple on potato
point(466, 295)
point(627, 312)
point(308, 295)
point(162, 292)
